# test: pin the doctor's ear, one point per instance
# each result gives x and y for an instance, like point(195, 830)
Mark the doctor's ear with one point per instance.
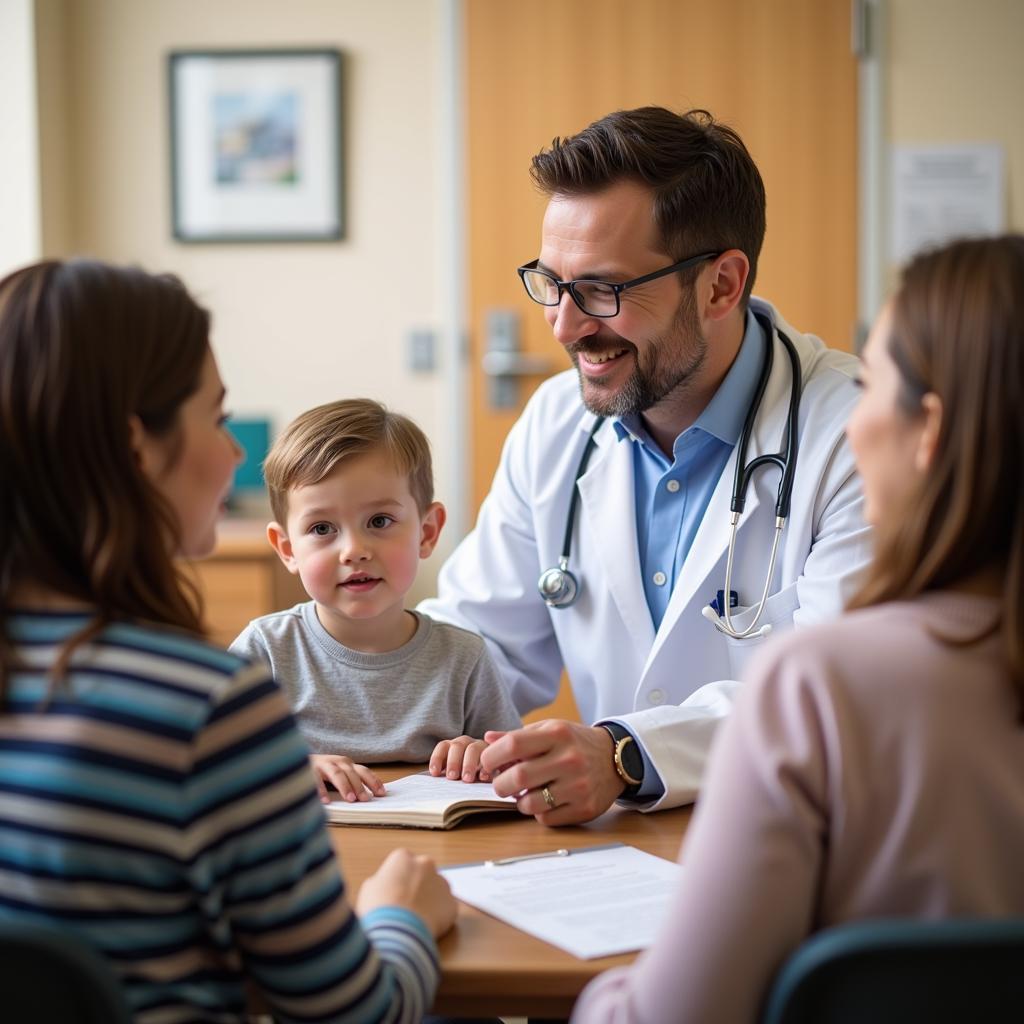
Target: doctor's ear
point(430, 528)
point(726, 279)
point(281, 543)
point(931, 410)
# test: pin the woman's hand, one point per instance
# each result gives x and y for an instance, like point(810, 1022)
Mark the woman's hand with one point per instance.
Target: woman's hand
point(410, 880)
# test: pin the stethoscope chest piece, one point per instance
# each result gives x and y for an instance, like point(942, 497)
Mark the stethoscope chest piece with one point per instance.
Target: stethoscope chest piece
point(558, 586)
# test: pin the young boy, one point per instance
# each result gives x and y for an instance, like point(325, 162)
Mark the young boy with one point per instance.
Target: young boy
point(351, 490)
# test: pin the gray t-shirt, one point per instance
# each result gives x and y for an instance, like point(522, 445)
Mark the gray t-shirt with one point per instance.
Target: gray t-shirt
point(394, 706)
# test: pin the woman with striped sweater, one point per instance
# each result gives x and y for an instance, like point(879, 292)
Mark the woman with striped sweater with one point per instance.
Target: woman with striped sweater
point(155, 796)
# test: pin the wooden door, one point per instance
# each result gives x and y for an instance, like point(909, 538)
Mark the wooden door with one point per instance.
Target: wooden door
point(780, 71)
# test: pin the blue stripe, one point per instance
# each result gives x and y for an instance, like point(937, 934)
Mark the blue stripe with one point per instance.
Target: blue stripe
point(270, 881)
point(92, 785)
point(174, 646)
point(71, 754)
point(95, 712)
point(350, 933)
point(318, 968)
point(279, 756)
point(37, 683)
point(312, 901)
point(250, 695)
point(277, 836)
point(133, 698)
point(54, 628)
point(111, 928)
point(78, 867)
point(134, 807)
point(283, 726)
point(61, 837)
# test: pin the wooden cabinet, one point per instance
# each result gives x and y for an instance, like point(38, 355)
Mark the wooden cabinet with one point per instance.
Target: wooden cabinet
point(243, 579)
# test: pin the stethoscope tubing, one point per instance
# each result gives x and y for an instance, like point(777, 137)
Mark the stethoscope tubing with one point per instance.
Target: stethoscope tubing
point(559, 587)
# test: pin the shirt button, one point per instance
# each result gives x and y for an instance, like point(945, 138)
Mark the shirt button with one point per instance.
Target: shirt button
point(660, 579)
point(656, 696)
point(672, 486)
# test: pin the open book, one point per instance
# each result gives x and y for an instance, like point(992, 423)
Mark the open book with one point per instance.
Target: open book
point(421, 801)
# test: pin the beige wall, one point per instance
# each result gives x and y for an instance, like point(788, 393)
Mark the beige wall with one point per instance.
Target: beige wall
point(295, 324)
point(19, 165)
point(956, 74)
point(300, 324)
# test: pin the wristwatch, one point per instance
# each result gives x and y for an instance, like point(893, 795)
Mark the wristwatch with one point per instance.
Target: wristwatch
point(629, 762)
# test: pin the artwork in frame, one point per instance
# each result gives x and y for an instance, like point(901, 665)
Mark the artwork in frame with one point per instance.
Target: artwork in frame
point(255, 145)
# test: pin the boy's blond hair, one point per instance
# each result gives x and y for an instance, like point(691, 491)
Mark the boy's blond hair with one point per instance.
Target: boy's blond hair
point(313, 444)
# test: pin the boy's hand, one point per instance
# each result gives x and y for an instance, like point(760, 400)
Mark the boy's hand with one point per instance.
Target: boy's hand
point(459, 759)
point(353, 781)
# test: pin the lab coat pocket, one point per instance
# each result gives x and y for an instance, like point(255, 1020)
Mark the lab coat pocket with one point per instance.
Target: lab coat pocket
point(778, 613)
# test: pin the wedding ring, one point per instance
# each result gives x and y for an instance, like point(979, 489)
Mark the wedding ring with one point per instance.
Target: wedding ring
point(548, 798)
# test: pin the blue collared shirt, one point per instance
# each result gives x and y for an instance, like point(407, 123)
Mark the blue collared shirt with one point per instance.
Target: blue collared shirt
point(672, 495)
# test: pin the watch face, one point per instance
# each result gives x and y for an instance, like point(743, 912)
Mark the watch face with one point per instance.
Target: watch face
point(632, 761)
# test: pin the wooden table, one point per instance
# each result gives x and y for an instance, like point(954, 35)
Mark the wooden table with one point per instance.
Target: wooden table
point(488, 967)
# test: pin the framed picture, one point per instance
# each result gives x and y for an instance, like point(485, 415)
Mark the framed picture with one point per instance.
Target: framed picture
point(255, 145)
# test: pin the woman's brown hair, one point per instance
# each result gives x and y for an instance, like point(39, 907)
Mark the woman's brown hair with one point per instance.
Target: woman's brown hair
point(958, 332)
point(84, 347)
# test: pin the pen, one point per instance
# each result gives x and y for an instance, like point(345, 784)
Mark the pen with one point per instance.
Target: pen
point(525, 856)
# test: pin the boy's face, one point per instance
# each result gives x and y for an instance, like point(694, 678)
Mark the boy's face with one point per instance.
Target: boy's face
point(355, 539)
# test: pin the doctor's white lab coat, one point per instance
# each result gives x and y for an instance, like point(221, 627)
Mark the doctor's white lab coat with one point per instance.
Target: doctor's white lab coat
point(672, 687)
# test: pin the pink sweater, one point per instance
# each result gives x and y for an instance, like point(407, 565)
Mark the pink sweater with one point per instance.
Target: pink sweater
point(867, 770)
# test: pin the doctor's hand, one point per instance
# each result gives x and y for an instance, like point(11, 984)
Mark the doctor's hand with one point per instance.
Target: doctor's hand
point(562, 772)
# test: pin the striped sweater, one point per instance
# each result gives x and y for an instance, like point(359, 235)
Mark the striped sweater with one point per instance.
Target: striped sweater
point(161, 805)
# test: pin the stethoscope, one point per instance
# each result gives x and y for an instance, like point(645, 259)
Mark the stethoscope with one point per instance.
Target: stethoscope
point(559, 587)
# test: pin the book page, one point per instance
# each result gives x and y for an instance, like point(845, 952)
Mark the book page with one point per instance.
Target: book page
point(421, 795)
point(591, 902)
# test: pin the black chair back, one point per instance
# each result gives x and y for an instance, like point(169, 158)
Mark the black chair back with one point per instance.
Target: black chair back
point(49, 976)
point(895, 972)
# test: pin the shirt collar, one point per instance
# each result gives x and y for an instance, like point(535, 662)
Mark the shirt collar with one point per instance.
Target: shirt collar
point(724, 415)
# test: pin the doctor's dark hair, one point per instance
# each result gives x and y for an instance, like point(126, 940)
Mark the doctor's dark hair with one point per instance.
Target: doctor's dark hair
point(708, 192)
point(958, 332)
point(84, 347)
point(315, 442)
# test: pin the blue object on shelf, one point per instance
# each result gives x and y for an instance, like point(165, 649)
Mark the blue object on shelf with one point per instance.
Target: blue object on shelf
point(254, 437)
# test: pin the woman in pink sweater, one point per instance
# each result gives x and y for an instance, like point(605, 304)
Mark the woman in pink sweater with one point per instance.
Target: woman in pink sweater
point(875, 766)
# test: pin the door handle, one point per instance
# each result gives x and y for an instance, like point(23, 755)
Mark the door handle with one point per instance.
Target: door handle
point(514, 364)
point(504, 361)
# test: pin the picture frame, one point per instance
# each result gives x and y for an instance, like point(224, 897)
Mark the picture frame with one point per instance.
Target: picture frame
point(256, 145)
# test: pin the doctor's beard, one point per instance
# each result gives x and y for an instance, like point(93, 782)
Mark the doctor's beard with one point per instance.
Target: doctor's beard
point(668, 366)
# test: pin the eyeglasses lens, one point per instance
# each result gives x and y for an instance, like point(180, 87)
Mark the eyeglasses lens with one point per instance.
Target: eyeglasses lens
point(594, 297)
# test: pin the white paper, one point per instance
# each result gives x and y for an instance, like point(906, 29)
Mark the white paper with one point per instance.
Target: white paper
point(423, 792)
point(944, 192)
point(598, 901)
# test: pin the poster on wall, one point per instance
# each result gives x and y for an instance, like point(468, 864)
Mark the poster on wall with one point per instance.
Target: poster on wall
point(255, 145)
point(942, 192)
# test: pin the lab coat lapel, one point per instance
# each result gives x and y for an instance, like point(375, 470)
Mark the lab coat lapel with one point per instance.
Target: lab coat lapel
point(712, 538)
point(607, 496)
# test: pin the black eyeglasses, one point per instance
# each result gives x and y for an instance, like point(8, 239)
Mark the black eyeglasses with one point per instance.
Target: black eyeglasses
point(595, 298)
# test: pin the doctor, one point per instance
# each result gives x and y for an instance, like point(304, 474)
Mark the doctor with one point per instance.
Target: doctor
point(648, 254)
